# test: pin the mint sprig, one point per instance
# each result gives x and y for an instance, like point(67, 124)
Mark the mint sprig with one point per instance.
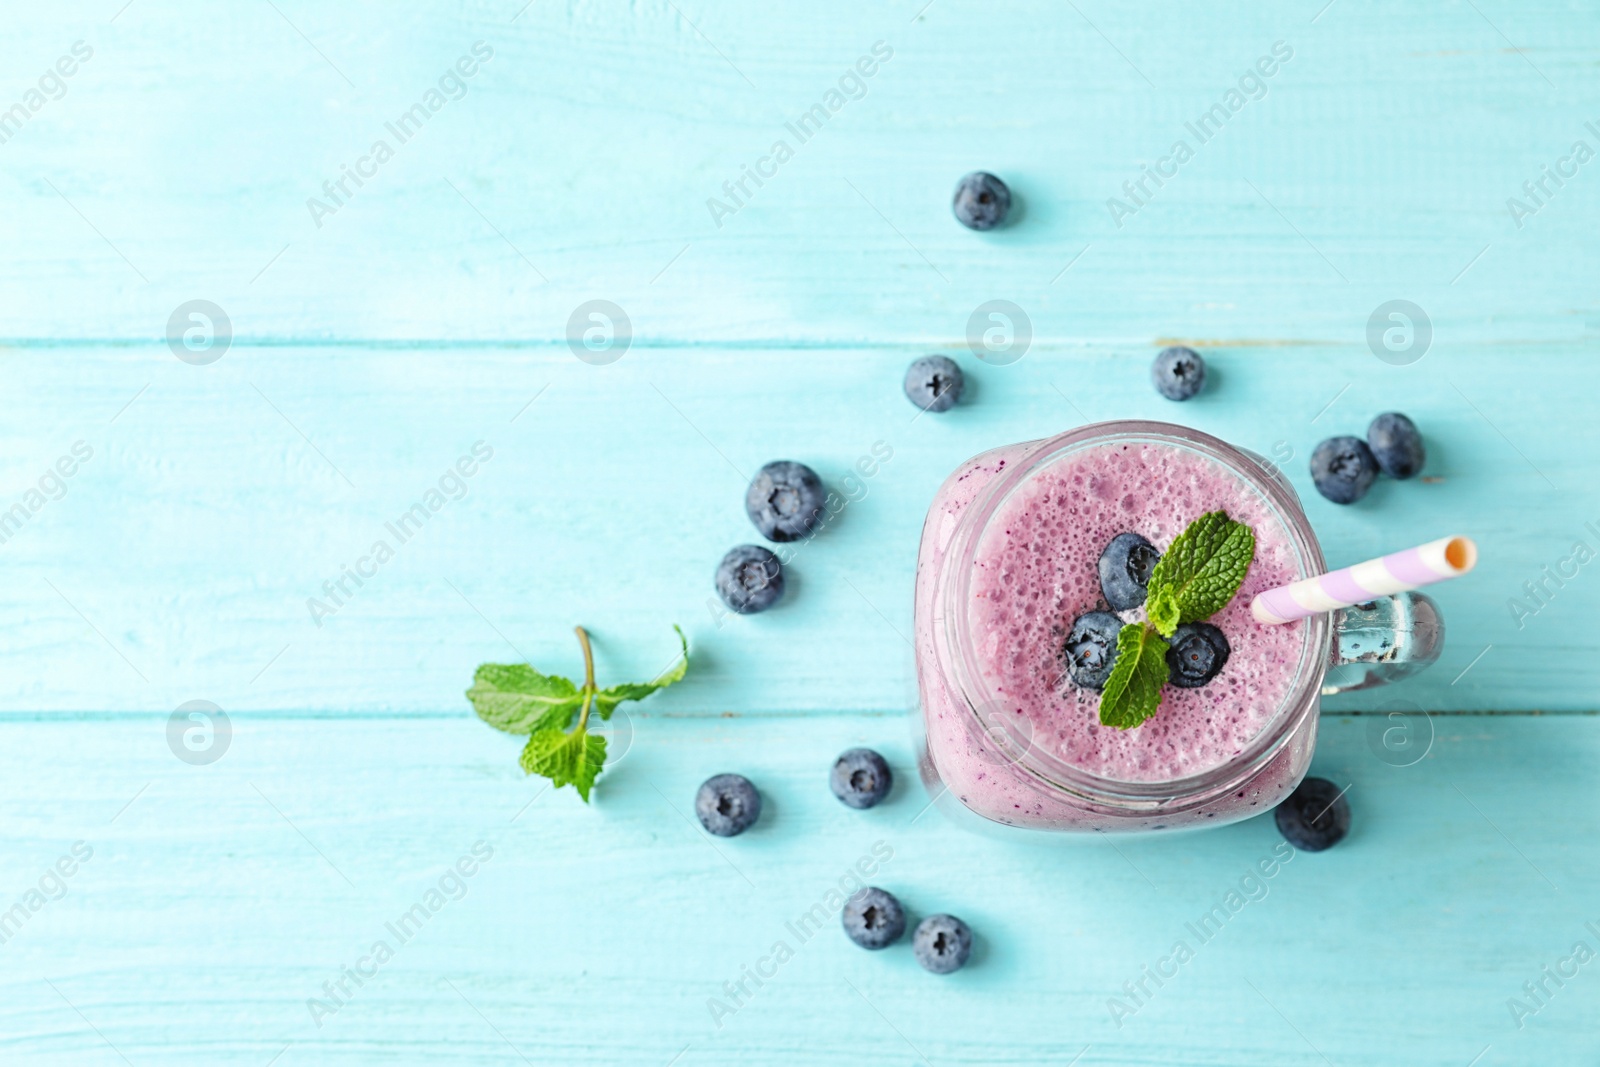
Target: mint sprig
point(1195, 578)
point(518, 699)
point(1133, 692)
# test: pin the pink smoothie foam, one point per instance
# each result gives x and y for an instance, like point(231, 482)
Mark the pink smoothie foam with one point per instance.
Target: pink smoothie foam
point(1034, 571)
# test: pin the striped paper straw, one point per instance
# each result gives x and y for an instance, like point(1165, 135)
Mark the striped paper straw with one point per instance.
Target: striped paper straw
point(1448, 557)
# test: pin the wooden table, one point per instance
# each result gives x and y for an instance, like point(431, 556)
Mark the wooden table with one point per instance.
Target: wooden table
point(369, 336)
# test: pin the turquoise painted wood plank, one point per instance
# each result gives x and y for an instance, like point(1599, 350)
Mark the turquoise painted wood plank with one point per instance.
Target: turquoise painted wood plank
point(219, 899)
point(1376, 163)
point(219, 500)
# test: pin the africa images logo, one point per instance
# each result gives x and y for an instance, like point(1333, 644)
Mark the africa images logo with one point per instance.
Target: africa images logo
point(852, 85)
point(1252, 85)
point(452, 85)
point(452, 485)
point(51, 85)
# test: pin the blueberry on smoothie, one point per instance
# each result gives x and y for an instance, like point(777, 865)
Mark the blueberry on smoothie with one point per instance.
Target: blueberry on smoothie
point(1125, 568)
point(860, 778)
point(1179, 373)
point(982, 201)
point(1343, 469)
point(933, 383)
point(873, 918)
point(1316, 815)
point(1195, 654)
point(1396, 445)
point(784, 500)
point(1091, 648)
point(941, 943)
point(749, 579)
point(727, 804)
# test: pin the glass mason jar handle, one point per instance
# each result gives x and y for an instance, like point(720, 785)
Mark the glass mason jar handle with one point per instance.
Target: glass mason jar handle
point(1383, 641)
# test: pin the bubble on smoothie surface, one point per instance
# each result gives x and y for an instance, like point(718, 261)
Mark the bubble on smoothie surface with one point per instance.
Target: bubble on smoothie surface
point(1035, 571)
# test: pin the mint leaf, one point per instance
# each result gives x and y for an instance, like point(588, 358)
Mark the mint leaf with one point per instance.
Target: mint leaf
point(606, 700)
point(1202, 570)
point(1133, 692)
point(571, 759)
point(519, 700)
point(1161, 606)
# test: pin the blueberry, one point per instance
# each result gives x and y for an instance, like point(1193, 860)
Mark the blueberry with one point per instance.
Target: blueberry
point(860, 778)
point(727, 804)
point(982, 201)
point(933, 383)
point(1316, 815)
point(1396, 445)
point(941, 943)
point(1091, 648)
point(1343, 469)
point(1179, 373)
point(873, 918)
point(1125, 568)
point(784, 500)
point(749, 579)
point(1195, 654)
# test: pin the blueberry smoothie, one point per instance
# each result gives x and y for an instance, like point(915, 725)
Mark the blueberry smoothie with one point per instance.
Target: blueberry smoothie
point(1011, 559)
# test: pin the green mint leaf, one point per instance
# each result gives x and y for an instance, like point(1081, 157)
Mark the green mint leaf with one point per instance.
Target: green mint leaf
point(519, 700)
point(1133, 692)
point(566, 758)
point(606, 700)
point(1161, 605)
point(1200, 572)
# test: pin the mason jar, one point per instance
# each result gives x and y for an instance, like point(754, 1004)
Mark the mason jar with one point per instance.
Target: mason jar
point(985, 751)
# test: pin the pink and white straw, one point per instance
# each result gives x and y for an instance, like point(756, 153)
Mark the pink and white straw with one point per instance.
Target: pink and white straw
point(1399, 572)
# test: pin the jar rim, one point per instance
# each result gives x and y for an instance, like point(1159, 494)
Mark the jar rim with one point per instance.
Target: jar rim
point(1055, 773)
